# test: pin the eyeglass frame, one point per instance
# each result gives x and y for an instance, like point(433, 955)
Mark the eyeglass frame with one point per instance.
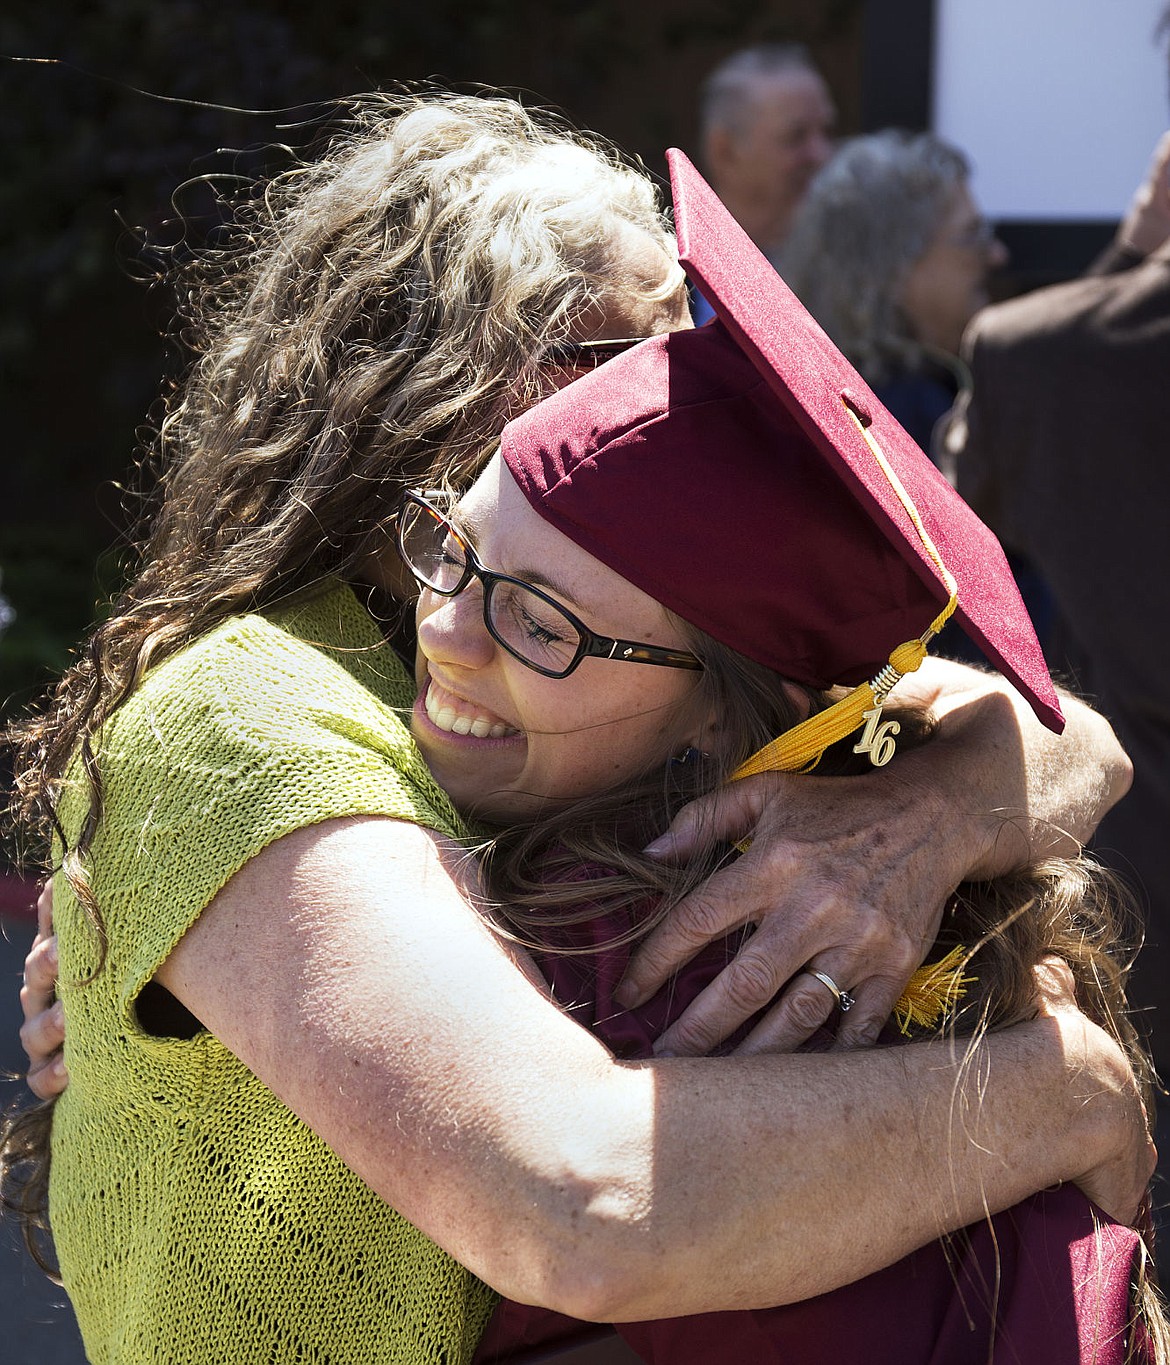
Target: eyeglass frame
point(576, 354)
point(591, 643)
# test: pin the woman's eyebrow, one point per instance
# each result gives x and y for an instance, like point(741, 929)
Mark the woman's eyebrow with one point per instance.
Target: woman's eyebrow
point(540, 579)
point(469, 525)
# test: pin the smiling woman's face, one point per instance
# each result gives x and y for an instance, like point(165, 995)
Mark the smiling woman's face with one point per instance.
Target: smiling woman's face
point(501, 739)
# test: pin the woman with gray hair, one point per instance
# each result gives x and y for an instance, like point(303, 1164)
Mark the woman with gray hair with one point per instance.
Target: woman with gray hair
point(890, 254)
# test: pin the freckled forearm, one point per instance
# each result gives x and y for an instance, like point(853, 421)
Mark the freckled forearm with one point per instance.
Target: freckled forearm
point(838, 1165)
point(1008, 789)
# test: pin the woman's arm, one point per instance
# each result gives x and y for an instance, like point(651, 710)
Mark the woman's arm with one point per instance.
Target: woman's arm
point(850, 878)
point(344, 966)
point(849, 875)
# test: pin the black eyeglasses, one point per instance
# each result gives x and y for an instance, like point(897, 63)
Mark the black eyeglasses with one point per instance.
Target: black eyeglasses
point(532, 626)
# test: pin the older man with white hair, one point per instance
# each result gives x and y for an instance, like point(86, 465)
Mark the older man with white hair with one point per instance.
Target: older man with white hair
point(767, 122)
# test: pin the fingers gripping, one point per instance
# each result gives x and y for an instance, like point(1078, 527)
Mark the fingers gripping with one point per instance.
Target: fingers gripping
point(45, 911)
point(708, 914)
point(41, 1037)
point(40, 976)
point(874, 1004)
point(43, 1030)
point(729, 814)
point(825, 882)
point(743, 988)
point(806, 1006)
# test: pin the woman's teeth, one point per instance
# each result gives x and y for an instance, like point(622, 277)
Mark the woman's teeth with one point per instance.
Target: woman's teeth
point(443, 710)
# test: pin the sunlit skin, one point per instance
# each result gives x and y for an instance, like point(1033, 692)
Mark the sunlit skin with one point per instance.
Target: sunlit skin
point(763, 169)
point(947, 285)
point(557, 738)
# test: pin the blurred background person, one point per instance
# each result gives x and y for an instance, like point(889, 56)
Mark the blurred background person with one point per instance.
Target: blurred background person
point(766, 121)
point(890, 254)
point(1061, 448)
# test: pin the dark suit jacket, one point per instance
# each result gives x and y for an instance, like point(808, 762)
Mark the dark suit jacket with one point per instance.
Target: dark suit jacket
point(1063, 449)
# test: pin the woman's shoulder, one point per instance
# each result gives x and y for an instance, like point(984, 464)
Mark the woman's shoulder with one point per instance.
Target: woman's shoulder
point(263, 726)
point(303, 706)
point(304, 665)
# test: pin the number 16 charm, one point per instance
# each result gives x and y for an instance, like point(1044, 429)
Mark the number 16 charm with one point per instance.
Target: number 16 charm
point(877, 739)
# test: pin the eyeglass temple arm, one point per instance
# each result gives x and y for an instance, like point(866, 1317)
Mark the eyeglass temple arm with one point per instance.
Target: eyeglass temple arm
point(649, 654)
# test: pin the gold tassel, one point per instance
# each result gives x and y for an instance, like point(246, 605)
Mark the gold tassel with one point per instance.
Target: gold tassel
point(800, 749)
point(933, 990)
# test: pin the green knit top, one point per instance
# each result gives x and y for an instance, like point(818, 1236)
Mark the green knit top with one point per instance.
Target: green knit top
point(195, 1218)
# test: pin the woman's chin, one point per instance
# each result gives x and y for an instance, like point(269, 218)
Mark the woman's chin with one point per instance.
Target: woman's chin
point(475, 771)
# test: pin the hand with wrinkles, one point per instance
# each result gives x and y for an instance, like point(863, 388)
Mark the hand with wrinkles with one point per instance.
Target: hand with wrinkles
point(844, 876)
point(849, 876)
point(1119, 1183)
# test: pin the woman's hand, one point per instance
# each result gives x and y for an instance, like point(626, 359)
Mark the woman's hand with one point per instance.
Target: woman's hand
point(43, 1030)
point(848, 876)
point(844, 876)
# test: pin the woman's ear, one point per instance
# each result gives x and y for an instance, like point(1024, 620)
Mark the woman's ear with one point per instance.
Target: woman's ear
point(706, 734)
point(798, 699)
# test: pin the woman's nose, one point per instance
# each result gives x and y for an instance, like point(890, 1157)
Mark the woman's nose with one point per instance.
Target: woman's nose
point(451, 630)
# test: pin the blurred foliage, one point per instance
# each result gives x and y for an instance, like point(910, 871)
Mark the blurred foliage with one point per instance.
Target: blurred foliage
point(117, 103)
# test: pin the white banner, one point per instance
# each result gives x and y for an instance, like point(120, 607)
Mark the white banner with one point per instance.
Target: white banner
point(1057, 102)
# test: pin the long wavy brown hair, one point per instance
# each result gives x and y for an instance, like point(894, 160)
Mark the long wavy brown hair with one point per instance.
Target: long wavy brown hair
point(366, 322)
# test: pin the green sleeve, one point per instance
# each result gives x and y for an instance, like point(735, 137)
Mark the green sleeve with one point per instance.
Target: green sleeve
point(248, 734)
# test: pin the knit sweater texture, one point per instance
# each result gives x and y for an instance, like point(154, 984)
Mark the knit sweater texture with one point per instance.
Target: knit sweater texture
point(196, 1219)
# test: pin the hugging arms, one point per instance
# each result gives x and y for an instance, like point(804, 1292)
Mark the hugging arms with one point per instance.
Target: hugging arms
point(853, 874)
point(564, 1177)
point(340, 961)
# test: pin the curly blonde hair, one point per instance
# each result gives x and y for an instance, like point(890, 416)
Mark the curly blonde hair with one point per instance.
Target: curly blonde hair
point(382, 310)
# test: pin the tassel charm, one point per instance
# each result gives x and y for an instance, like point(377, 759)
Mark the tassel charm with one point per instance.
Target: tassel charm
point(932, 992)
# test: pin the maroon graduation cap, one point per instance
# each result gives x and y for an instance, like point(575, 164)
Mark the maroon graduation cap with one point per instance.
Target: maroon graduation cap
point(745, 476)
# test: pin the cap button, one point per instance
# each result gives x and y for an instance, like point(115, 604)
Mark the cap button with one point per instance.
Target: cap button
point(857, 407)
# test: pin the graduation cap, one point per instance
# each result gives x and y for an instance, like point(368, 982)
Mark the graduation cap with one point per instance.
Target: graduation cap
point(744, 475)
